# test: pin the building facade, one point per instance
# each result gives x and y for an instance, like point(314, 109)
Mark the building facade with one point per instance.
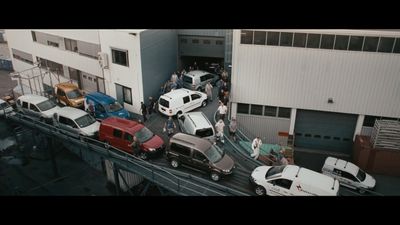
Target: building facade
point(318, 87)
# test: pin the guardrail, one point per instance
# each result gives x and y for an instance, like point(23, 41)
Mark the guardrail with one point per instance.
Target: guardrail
point(173, 180)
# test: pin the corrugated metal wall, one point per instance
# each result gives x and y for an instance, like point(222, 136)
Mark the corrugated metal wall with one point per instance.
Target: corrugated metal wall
point(200, 49)
point(367, 131)
point(265, 127)
point(359, 82)
point(203, 32)
point(158, 49)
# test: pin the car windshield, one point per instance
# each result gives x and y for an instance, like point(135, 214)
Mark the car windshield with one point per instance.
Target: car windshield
point(164, 102)
point(214, 154)
point(113, 107)
point(274, 170)
point(85, 121)
point(74, 94)
point(187, 79)
point(361, 175)
point(144, 134)
point(46, 105)
point(205, 132)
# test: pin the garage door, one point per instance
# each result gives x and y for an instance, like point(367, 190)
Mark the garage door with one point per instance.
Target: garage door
point(89, 82)
point(325, 131)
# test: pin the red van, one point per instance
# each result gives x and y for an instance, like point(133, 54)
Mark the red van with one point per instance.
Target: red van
point(119, 132)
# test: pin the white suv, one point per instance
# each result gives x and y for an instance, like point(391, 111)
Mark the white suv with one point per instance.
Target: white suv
point(196, 123)
point(37, 106)
point(348, 174)
point(197, 79)
point(180, 101)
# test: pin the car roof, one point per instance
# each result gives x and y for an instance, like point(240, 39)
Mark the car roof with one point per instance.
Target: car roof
point(199, 119)
point(308, 177)
point(72, 113)
point(2, 101)
point(67, 86)
point(123, 124)
point(35, 99)
point(182, 92)
point(101, 98)
point(342, 165)
point(197, 143)
point(196, 73)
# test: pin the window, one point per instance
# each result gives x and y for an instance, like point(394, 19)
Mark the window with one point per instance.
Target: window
point(183, 40)
point(67, 122)
point(124, 94)
point(117, 133)
point(273, 38)
point(186, 99)
point(219, 42)
point(198, 155)
point(71, 45)
point(370, 44)
point(164, 102)
point(336, 138)
point(369, 121)
point(307, 135)
point(396, 48)
point(259, 37)
point(313, 40)
point(246, 37)
point(120, 57)
point(206, 42)
point(34, 36)
point(284, 112)
point(180, 149)
point(54, 44)
point(356, 43)
point(195, 41)
point(299, 134)
point(327, 137)
point(341, 42)
point(286, 39)
point(203, 78)
point(270, 110)
point(327, 41)
point(346, 139)
point(299, 40)
point(243, 108)
point(386, 44)
point(348, 176)
point(317, 136)
point(285, 183)
point(25, 105)
point(33, 108)
point(22, 56)
point(60, 92)
point(128, 137)
point(256, 110)
point(99, 108)
point(195, 96)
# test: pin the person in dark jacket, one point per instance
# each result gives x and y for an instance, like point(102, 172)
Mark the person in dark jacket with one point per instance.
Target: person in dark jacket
point(144, 111)
point(151, 105)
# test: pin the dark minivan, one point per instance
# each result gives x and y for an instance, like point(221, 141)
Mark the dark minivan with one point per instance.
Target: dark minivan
point(200, 154)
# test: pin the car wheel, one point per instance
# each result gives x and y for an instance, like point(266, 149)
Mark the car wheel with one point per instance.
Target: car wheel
point(106, 145)
point(143, 155)
point(204, 103)
point(174, 163)
point(260, 190)
point(215, 176)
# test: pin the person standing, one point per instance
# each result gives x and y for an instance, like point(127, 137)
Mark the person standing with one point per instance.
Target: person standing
point(143, 108)
point(209, 89)
point(222, 110)
point(169, 126)
point(174, 77)
point(219, 127)
point(135, 145)
point(232, 129)
point(151, 105)
point(256, 145)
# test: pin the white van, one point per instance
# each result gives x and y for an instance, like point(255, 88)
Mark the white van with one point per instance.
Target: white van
point(180, 101)
point(76, 121)
point(197, 80)
point(292, 180)
point(196, 123)
point(348, 174)
point(37, 106)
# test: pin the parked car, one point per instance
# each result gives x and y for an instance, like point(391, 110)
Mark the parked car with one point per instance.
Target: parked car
point(197, 79)
point(5, 108)
point(76, 122)
point(103, 106)
point(38, 107)
point(200, 154)
point(119, 133)
point(196, 123)
point(348, 174)
point(181, 100)
point(292, 180)
point(69, 94)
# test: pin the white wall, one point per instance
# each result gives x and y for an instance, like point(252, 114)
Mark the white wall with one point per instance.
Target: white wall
point(127, 76)
point(359, 82)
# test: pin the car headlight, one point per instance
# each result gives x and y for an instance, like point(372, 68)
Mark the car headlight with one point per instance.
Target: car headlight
point(152, 149)
point(226, 171)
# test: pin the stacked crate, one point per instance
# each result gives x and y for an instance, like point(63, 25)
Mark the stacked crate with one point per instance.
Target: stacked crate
point(386, 134)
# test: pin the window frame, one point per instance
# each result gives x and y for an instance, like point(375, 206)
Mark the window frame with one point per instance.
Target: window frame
point(113, 58)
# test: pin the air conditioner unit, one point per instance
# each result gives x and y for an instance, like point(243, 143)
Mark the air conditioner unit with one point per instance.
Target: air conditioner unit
point(103, 59)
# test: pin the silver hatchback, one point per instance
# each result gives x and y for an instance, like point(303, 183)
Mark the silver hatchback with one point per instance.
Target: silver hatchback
point(196, 80)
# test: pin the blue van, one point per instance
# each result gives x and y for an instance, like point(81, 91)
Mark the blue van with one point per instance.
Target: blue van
point(102, 106)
